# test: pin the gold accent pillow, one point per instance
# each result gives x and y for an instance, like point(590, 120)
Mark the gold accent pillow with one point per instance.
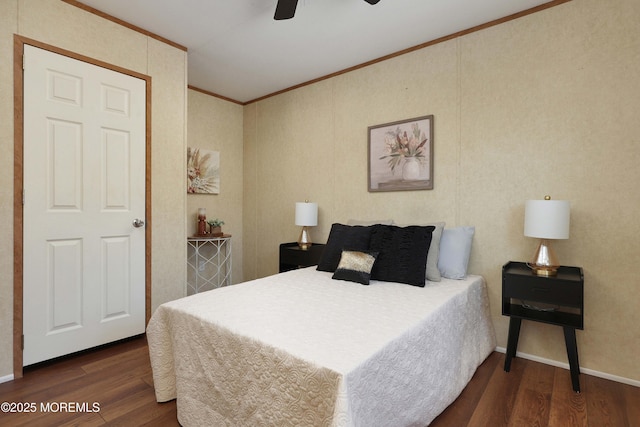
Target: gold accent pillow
point(355, 266)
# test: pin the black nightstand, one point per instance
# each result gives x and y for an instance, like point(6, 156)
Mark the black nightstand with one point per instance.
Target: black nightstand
point(292, 257)
point(558, 300)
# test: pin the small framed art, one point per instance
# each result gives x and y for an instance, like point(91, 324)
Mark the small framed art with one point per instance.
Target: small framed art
point(203, 171)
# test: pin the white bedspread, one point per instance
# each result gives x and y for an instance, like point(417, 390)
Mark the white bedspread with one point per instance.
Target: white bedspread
point(299, 348)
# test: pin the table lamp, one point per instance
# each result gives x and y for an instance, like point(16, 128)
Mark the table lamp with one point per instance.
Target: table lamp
point(306, 216)
point(546, 220)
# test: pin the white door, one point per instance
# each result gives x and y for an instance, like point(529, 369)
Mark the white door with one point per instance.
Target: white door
point(84, 185)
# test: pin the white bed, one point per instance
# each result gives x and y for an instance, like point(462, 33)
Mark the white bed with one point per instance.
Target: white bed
point(301, 349)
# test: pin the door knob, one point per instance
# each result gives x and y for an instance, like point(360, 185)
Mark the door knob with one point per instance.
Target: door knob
point(137, 223)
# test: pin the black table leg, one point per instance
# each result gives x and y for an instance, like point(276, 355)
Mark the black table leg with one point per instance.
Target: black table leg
point(572, 354)
point(512, 341)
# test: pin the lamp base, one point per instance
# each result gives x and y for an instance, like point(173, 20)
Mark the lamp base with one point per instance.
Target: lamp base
point(545, 262)
point(544, 271)
point(304, 241)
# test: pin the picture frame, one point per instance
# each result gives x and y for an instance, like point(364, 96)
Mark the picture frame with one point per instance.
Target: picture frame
point(401, 155)
point(203, 171)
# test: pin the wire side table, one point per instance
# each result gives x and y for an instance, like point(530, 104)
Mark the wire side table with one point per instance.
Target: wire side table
point(208, 263)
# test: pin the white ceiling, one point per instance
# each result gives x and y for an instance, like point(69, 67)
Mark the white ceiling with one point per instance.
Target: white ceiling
point(237, 50)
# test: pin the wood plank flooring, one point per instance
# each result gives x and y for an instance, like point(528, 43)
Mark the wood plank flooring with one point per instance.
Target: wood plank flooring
point(118, 379)
point(536, 394)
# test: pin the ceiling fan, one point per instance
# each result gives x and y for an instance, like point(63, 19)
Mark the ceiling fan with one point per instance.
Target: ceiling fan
point(285, 9)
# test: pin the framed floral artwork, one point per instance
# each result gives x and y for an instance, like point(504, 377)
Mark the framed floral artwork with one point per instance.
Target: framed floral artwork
point(401, 155)
point(203, 171)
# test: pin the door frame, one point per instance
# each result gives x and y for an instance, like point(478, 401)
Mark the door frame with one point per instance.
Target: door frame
point(18, 184)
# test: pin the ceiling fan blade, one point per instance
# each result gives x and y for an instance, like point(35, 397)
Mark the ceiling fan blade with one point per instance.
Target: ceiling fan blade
point(285, 9)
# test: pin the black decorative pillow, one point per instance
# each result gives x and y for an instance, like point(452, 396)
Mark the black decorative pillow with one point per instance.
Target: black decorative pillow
point(355, 266)
point(342, 236)
point(402, 253)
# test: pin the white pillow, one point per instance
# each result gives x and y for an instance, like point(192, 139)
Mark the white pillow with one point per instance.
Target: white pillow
point(372, 222)
point(455, 249)
point(433, 272)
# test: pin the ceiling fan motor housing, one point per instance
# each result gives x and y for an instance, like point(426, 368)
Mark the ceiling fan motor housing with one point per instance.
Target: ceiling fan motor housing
point(286, 9)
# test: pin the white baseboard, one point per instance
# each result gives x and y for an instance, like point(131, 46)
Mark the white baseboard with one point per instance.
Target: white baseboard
point(6, 378)
point(598, 374)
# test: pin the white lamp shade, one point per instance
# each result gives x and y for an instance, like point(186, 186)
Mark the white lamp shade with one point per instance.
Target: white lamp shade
point(306, 214)
point(547, 219)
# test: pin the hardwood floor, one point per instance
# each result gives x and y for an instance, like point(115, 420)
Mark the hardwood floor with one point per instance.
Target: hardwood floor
point(118, 379)
point(535, 394)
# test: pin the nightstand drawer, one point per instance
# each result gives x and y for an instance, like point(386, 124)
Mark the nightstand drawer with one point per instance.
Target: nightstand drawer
point(299, 257)
point(564, 289)
point(542, 290)
point(292, 257)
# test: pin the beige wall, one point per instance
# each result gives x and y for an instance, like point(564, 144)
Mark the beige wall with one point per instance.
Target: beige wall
point(67, 27)
point(541, 105)
point(215, 124)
